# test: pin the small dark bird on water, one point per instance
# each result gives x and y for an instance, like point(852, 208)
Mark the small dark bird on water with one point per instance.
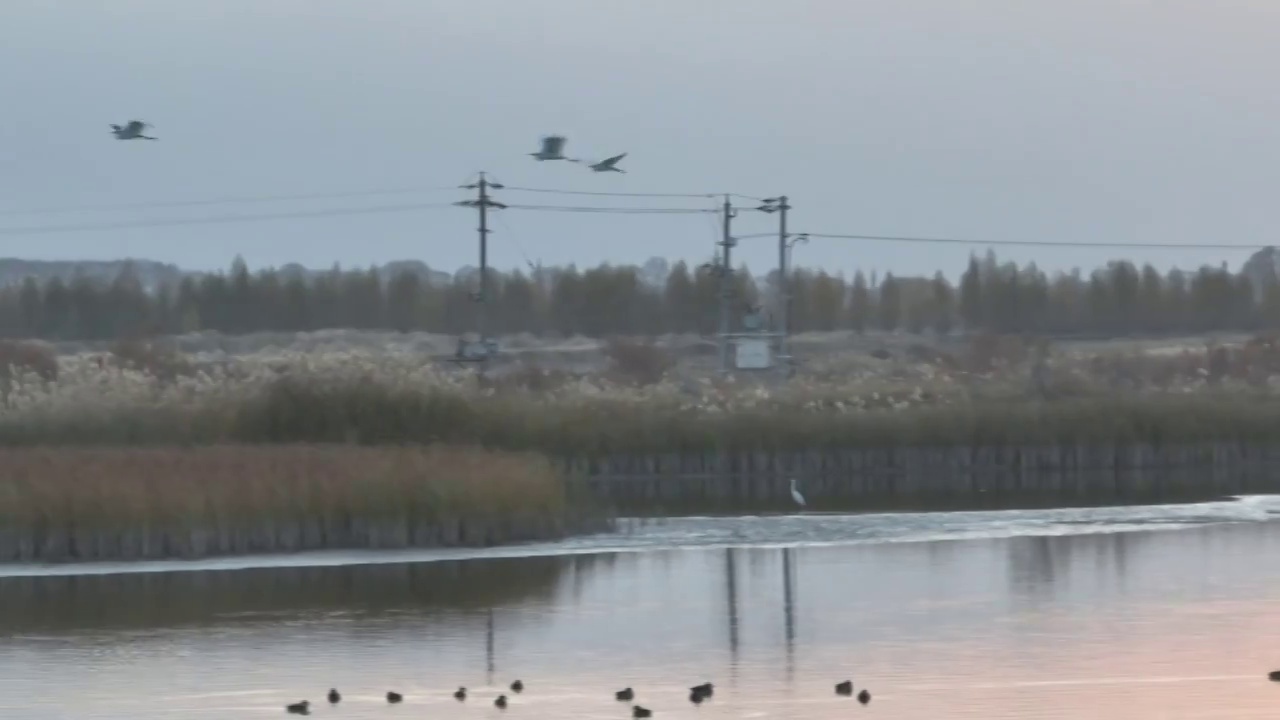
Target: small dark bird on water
point(394, 697)
point(864, 697)
point(460, 694)
point(696, 697)
point(1274, 675)
point(706, 689)
point(501, 701)
point(641, 712)
point(299, 708)
point(334, 697)
point(517, 686)
point(625, 694)
point(844, 688)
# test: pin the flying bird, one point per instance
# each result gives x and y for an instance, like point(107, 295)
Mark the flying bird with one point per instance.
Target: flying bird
point(552, 149)
point(132, 131)
point(609, 164)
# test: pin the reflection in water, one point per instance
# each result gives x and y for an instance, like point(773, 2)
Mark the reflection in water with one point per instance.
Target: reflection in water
point(488, 646)
point(147, 600)
point(788, 611)
point(731, 598)
point(1160, 624)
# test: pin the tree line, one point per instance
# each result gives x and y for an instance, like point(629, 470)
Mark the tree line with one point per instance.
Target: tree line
point(1120, 298)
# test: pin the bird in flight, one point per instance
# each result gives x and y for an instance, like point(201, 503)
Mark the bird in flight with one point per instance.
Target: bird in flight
point(609, 164)
point(552, 149)
point(132, 131)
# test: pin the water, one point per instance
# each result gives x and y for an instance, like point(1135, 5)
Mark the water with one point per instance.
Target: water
point(1155, 612)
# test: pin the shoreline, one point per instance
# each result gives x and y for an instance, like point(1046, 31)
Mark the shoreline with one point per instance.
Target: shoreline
point(947, 478)
point(120, 503)
point(591, 543)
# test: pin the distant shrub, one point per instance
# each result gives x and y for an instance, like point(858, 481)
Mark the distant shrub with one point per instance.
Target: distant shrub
point(638, 362)
point(18, 356)
point(528, 376)
point(151, 357)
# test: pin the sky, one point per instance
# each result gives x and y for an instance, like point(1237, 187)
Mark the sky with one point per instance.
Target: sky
point(1063, 120)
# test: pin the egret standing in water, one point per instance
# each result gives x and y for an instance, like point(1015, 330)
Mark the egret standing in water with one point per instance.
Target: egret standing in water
point(795, 494)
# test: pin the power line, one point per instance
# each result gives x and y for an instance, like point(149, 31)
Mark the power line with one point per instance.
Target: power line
point(602, 193)
point(334, 212)
point(222, 201)
point(254, 199)
point(515, 240)
point(220, 219)
point(616, 210)
point(1034, 243)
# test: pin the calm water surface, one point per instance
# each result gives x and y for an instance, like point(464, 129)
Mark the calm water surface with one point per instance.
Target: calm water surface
point(1157, 612)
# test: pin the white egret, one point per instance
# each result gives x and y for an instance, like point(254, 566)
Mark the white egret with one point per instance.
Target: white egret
point(609, 164)
point(552, 149)
point(132, 131)
point(795, 494)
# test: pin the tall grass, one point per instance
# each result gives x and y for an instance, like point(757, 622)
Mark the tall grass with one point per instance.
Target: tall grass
point(366, 412)
point(137, 503)
point(371, 399)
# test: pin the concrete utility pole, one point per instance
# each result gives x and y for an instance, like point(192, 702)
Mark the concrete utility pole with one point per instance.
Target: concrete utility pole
point(482, 203)
point(783, 309)
point(726, 283)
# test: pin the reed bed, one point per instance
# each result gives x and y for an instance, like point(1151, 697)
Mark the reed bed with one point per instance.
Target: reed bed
point(80, 504)
point(372, 398)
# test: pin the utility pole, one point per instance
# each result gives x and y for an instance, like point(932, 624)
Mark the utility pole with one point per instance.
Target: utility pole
point(780, 206)
point(482, 203)
point(726, 283)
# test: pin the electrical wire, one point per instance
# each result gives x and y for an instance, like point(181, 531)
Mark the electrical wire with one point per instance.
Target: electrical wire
point(247, 199)
point(220, 219)
point(617, 210)
point(334, 212)
point(1033, 243)
point(603, 193)
point(254, 199)
point(511, 236)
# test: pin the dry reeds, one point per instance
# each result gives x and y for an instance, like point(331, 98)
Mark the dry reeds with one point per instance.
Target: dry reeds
point(1021, 393)
point(365, 411)
point(103, 503)
point(638, 362)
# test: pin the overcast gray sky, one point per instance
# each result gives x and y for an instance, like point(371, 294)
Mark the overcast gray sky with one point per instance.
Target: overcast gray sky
point(1066, 120)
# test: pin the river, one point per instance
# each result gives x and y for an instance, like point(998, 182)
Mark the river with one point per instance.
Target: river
point(1152, 612)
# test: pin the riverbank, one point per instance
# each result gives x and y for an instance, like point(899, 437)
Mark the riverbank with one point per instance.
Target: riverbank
point(60, 504)
point(930, 478)
point(649, 452)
